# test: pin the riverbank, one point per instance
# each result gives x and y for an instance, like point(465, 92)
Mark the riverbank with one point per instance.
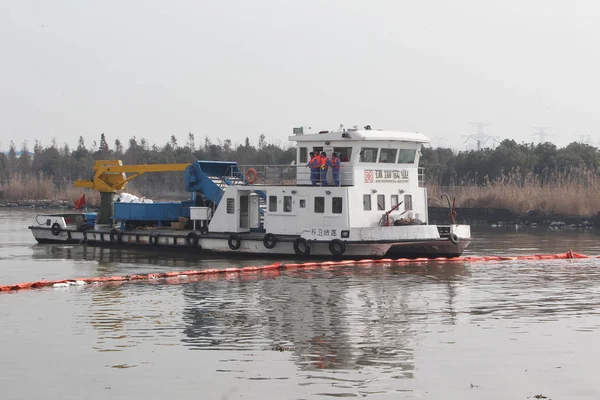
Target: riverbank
point(566, 196)
point(501, 216)
point(58, 205)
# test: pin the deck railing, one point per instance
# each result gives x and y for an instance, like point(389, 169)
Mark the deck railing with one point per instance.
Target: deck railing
point(290, 175)
point(280, 175)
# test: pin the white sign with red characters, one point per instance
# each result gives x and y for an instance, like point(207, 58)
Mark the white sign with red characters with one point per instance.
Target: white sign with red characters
point(386, 176)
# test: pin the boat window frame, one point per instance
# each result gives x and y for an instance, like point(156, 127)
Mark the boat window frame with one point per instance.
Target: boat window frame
point(392, 203)
point(337, 201)
point(344, 153)
point(302, 203)
point(230, 205)
point(321, 209)
point(408, 204)
point(302, 155)
point(367, 206)
point(287, 204)
point(392, 159)
point(271, 203)
point(381, 206)
point(400, 157)
point(362, 154)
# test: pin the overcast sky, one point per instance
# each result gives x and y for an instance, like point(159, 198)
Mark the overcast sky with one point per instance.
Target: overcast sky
point(231, 69)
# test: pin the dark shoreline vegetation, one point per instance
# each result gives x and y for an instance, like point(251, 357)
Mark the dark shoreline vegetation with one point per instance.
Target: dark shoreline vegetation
point(528, 182)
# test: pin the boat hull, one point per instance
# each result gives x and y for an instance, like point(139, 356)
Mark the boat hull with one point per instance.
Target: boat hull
point(252, 243)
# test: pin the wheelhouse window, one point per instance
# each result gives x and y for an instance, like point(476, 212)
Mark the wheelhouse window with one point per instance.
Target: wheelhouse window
point(317, 150)
point(336, 205)
point(273, 203)
point(367, 202)
point(394, 200)
point(344, 153)
point(387, 156)
point(287, 203)
point(407, 156)
point(368, 154)
point(303, 155)
point(381, 202)
point(230, 206)
point(320, 205)
point(408, 202)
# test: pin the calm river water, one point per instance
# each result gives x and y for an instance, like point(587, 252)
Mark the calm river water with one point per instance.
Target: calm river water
point(482, 330)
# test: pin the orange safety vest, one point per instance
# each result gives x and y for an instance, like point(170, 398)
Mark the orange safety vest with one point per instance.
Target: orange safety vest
point(335, 163)
point(324, 161)
point(315, 162)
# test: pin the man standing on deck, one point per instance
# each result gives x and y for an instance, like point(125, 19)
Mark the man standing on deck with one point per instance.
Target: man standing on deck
point(312, 155)
point(324, 166)
point(335, 169)
point(313, 164)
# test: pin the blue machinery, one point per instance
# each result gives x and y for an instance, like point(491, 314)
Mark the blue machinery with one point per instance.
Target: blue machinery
point(205, 181)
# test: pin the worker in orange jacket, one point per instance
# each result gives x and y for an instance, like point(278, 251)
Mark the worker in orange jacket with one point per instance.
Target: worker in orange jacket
point(325, 163)
point(335, 169)
point(314, 165)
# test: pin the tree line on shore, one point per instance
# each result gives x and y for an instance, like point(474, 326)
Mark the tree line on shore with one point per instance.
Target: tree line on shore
point(63, 166)
point(51, 170)
point(544, 162)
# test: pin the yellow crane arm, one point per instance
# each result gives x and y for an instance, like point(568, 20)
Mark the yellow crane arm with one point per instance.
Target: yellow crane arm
point(110, 175)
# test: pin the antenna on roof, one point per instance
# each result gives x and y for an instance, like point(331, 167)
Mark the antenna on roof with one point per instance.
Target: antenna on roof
point(300, 130)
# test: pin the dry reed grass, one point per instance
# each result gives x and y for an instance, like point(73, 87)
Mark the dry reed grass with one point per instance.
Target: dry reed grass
point(563, 194)
point(43, 188)
point(27, 188)
point(573, 193)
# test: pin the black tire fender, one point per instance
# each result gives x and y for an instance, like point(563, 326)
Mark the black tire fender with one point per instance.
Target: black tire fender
point(454, 238)
point(234, 242)
point(153, 239)
point(302, 247)
point(116, 236)
point(269, 241)
point(191, 239)
point(337, 247)
point(55, 229)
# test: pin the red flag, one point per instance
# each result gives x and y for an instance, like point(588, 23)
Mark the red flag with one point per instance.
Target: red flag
point(80, 203)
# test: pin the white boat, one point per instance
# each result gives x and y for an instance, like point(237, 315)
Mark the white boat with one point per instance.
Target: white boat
point(379, 210)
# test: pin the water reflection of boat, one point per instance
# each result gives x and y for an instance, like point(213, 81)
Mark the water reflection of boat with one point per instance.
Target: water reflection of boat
point(111, 257)
point(342, 319)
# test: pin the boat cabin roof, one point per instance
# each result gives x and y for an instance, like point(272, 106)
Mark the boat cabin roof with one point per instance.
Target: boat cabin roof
point(361, 135)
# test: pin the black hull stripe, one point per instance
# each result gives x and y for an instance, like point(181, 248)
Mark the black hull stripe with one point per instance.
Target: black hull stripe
point(280, 238)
